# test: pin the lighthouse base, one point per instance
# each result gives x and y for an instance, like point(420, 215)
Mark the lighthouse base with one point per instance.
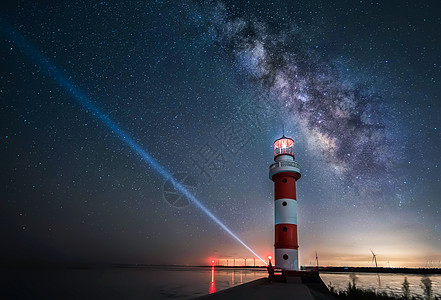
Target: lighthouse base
point(310, 276)
point(287, 259)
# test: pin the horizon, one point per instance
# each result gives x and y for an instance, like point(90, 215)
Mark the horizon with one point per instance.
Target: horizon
point(44, 265)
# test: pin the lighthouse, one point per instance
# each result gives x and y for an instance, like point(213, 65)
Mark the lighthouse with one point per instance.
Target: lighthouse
point(284, 172)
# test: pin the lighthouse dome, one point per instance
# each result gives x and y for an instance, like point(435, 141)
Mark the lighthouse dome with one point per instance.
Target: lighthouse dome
point(284, 145)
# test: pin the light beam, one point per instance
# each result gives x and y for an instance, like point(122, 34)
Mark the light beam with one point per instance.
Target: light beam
point(62, 78)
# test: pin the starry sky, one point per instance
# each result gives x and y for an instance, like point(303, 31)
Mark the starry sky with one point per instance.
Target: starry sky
point(205, 87)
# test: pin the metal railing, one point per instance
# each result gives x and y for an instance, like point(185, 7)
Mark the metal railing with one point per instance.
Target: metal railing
point(294, 164)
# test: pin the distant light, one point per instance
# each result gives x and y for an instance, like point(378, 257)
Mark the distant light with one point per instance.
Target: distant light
point(212, 261)
point(269, 257)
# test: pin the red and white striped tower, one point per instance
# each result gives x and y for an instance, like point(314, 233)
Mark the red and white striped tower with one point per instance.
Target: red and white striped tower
point(284, 172)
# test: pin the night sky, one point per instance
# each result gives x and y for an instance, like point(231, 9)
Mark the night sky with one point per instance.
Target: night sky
point(205, 88)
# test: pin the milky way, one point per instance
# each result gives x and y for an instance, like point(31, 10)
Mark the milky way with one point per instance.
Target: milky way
point(345, 121)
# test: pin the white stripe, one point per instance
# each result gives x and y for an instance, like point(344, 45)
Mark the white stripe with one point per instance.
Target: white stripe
point(292, 263)
point(285, 213)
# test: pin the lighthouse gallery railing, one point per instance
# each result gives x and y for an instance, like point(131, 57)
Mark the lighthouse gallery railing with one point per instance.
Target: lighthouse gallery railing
point(294, 164)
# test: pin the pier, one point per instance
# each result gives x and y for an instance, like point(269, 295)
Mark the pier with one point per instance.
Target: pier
point(301, 286)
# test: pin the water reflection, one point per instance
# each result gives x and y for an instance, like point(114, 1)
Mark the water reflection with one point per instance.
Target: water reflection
point(227, 278)
point(387, 282)
point(212, 288)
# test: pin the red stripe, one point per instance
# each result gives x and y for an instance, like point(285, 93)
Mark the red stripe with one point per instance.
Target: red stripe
point(286, 236)
point(284, 185)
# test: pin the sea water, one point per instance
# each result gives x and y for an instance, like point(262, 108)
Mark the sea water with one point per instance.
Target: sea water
point(389, 283)
point(152, 282)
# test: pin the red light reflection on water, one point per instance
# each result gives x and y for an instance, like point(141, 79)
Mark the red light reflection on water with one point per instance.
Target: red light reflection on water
point(212, 283)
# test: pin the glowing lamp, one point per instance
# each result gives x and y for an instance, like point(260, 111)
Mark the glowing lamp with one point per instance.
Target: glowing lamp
point(284, 145)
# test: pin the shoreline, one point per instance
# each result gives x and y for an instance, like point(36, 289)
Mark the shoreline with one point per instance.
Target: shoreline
point(423, 271)
point(85, 266)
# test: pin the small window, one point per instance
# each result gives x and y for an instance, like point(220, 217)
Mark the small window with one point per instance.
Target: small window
point(285, 229)
point(284, 203)
point(285, 257)
point(284, 180)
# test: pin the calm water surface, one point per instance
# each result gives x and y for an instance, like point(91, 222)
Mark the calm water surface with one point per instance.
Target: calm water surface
point(121, 283)
point(390, 283)
point(192, 282)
